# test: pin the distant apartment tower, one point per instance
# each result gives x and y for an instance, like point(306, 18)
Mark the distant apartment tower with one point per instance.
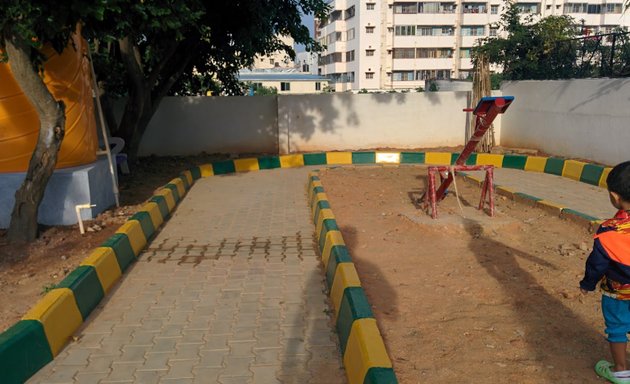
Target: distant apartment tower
point(278, 59)
point(386, 44)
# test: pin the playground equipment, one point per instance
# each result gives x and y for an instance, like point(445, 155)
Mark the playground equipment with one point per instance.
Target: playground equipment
point(486, 111)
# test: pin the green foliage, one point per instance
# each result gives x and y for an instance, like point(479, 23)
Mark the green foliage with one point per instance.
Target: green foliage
point(196, 84)
point(261, 90)
point(495, 81)
point(419, 89)
point(433, 87)
point(39, 22)
point(363, 90)
point(531, 50)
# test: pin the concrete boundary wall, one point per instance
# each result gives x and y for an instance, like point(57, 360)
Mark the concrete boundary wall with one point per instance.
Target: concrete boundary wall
point(298, 123)
point(585, 118)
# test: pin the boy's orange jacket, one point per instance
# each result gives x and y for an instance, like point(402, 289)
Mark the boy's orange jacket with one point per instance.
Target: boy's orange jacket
point(610, 258)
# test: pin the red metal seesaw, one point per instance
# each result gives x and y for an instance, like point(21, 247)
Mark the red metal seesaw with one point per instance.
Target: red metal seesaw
point(486, 111)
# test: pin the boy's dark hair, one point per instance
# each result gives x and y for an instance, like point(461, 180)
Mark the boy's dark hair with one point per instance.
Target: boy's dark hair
point(618, 180)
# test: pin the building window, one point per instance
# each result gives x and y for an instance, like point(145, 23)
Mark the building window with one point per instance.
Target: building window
point(574, 8)
point(439, 74)
point(613, 8)
point(435, 7)
point(369, 52)
point(349, 13)
point(473, 30)
point(272, 61)
point(403, 75)
point(369, 29)
point(335, 15)
point(405, 30)
point(475, 8)
point(350, 56)
point(285, 86)
point(406, 8)
point(434, 53)
point(318, 86)
point(594, 8)
point(369, 75)
point(404, 53)
point(434, 30)
point(464, 53)
point(494, 9)
point(350, 35)
point(369, 6)
point(494, 31)
point(530, 7)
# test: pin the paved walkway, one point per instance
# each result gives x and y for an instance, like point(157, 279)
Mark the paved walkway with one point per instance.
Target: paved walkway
point(573, 194)
point(230, 291)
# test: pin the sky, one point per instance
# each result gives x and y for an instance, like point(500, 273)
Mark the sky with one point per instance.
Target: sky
point(308, 21)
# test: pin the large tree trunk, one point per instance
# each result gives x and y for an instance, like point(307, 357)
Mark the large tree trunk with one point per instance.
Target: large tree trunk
point(146, 91)
point(52, 120)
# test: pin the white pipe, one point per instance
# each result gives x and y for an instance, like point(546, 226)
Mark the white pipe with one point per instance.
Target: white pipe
point(78, 209)
point(112, 169)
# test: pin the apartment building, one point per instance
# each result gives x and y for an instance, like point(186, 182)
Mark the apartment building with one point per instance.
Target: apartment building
point(278, 59)
point(387, 44)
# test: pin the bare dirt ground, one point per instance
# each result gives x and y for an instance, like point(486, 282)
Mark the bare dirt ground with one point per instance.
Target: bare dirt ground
point(468, 298)
point(28, 271)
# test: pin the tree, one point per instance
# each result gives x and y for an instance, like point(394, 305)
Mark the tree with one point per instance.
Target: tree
point(152, 44)
point(158, 43)
point(530, 50)
point(25, 26)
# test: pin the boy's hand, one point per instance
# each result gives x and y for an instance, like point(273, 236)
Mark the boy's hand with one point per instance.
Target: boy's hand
point(584, 291)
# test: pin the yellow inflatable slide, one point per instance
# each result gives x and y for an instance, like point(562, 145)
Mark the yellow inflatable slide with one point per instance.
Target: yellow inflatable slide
point(68, 76)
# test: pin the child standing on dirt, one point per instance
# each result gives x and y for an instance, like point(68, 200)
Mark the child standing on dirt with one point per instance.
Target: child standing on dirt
point(610, 262)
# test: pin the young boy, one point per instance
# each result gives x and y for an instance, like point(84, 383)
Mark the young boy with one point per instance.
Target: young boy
point(610, 262)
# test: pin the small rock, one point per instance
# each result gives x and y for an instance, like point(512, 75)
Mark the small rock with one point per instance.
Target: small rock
point(90, 229)
point(97, 227)
point(583, 246)
point(64, 257)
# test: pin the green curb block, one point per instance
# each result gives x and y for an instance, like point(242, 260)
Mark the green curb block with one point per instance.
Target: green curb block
point(314, 158)
point(554, 166)
point(162, 205)
point(87, 289)
point(591, 174)
point(354, 305)
point(119, 242)
point(514, 161)
point(378, 375)
point(580, 214)
point(24, 350)
point(173, 189)
point(195, 172)
point(412, 157)
point(328, 225)
point(146, 223)
point(526, 196)
point(184, 180)
point(471, 160)
point(322, 204)
point(223, 167)
point(363, 157)
point(338, 254)
point(269, 162)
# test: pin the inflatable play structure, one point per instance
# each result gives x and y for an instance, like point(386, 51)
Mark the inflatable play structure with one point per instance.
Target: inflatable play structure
point(68, 77)
point(79, 174)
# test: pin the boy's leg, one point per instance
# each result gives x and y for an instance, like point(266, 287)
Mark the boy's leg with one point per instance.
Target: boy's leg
point(617, 318)
point(618, 352)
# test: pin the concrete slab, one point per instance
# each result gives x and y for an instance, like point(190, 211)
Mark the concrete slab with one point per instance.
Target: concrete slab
point(88, 184)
